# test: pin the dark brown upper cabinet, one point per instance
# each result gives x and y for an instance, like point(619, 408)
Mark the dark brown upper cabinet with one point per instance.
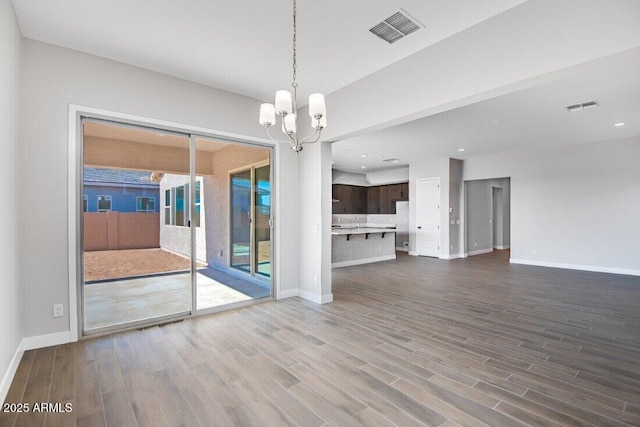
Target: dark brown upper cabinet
point(380, 199)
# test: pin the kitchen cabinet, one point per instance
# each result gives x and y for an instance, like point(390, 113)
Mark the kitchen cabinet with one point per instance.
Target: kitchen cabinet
point(380, 199)
point(349, 199)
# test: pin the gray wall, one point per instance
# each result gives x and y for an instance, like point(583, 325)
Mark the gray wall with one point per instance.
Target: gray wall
point(479, 218)
point(574, 206)
point(12, 300)
point(53, 78)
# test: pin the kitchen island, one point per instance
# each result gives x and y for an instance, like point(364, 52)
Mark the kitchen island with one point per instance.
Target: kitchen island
point(361, 245)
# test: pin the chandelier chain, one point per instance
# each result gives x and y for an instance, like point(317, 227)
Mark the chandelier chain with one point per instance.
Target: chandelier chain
point(295, 63)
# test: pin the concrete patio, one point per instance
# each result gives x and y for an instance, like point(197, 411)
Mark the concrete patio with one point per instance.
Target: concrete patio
point(114, 302)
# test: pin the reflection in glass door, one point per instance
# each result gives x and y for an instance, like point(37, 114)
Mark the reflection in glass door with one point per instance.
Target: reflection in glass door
point(262, 215)
point(241, 220)
point(251, 220)
point(234, 194)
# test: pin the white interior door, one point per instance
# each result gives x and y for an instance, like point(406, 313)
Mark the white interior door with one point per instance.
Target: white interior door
point(428, 217)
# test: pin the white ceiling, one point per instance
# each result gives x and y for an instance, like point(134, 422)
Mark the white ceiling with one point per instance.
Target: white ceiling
point(533, 117)
point(245, 46)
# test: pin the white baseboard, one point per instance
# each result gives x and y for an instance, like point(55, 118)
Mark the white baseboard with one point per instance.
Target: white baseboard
point(11, 372)
point(318, 299)
point(501, 248)
point(401, 249)
point(479, 252)
point(326, 298)
point(41, 341)
point(582, 267)
point(454, 256)
point(29, 343)
point(363, 261)
point(413, 253)
point(289, 293)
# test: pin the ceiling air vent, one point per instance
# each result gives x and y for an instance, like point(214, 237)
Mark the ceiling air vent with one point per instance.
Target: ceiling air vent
point(395, 27)
point(391, 160)
point(582, 106)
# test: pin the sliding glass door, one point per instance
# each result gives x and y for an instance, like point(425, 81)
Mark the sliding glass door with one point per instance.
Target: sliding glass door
point(163, 237)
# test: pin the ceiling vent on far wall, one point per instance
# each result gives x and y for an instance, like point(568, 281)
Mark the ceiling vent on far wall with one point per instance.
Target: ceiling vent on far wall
point(582, 106)
point(391, 160)
point(397, 26)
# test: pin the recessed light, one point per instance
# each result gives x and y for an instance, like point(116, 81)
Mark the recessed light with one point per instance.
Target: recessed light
point(333, 163)
point(363, 167)
point(461, 149)
point(363, 155)
point(619, 124)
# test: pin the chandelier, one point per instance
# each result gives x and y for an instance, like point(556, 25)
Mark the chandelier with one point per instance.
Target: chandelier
point(286, 107)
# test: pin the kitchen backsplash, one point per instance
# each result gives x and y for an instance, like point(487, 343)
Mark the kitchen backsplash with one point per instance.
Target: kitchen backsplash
point(371, 220)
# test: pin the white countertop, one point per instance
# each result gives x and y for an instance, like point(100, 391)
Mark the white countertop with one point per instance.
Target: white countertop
point(341, 231)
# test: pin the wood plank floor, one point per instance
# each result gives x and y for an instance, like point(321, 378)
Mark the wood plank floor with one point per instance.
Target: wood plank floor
point(408, 342)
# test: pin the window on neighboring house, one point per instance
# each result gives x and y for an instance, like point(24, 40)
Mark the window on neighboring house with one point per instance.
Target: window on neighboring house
point(104, 203)
point(85, 203)
point(167, 207)
point(176, 206)
point(196, 213)
point(179, 206)
point(145, 204)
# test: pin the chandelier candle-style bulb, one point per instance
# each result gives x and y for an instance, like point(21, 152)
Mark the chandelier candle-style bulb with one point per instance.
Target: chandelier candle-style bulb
point(321, 125)
point(283, 102)
point(289, 124)
point(317, 105)
point(267, 115)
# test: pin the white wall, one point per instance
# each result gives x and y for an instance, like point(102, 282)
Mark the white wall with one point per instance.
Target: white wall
point(11, 300)
point(381, 177)
point(455, 218)
point(349, 178)
point(388, 176)
point(573, 206)
point(314, 211)
point(55, 77)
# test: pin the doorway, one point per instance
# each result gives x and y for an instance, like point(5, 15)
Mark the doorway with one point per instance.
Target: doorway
point(155, 225)
point(487, 215)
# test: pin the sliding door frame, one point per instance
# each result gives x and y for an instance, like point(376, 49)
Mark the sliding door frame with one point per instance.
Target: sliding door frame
point(78, 114)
